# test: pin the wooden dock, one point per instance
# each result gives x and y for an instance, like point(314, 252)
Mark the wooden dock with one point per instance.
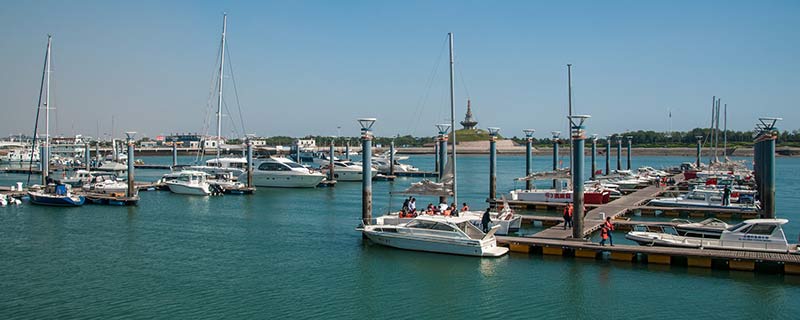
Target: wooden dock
point(770, 262)
point(619, 224)
point(595, 217)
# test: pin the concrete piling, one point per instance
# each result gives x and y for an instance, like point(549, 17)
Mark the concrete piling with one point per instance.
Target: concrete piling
point(594, 156)
point(366, 167)
point(493, 162)
point(131, 160)
point(578, 139)
point(630, 138)
point(619, 153)
point(528, 157)
point(87, 156)
point(608, 155)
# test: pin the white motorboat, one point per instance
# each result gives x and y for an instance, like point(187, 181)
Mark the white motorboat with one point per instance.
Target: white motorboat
point(454, 235)
point(750, 235)
point(508, 222)
point(701, 199)
point(103, 182)
point(383, 165)
point(190, 182)
point(78, 178)
point(285, 173)
point(347, 171)
point(708, 228)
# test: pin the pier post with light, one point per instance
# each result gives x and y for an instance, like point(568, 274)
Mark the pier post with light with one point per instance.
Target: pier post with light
point(131, 159)
point(594, 156)
point(493, 162)
point(630, 138)
point(366, 167)
point(765, 139)
point(578, 138)
point(528, 156)
point(556, 134)
point(619, 152)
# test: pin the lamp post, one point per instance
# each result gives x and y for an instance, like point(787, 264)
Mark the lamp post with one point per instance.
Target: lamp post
point(619, 152)
point(528, 156)
point(366, 167)
point(578, 137)
point(699, 149)
point(493, 131)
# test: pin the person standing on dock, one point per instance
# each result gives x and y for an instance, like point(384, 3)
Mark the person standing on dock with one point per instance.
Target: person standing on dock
point(485, 220)
point(726, 196)
point(568, 216)
point(607, 227)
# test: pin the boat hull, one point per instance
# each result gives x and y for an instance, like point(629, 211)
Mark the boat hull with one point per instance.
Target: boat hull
point(195, 190)
point(465, 248)
point(286, 181)
point(57, 201)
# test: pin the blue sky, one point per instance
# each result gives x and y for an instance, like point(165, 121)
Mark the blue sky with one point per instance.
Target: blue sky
point(308, 67)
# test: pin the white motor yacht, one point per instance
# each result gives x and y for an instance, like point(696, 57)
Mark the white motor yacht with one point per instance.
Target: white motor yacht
point(347, 171)
point(454, 235)
point(383, 165)
point(749, 235)
point(702, 199)
point(233, 165)
point(189, 182)
point(285, 173)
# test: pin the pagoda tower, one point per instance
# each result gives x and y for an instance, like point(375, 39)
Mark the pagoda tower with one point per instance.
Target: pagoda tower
point(469, 123)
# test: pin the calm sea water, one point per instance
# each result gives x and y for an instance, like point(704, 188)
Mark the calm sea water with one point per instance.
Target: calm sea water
point(285, 253)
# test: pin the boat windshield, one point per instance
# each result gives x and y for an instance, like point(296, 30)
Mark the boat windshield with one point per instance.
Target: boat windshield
point(424, 224)
point(737, 226)
point(293, 164)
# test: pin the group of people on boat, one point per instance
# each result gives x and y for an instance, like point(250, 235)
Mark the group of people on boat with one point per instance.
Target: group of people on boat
point(409, 209)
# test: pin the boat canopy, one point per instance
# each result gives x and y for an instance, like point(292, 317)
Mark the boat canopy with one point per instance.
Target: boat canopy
point(547, 175)
point(429, 188)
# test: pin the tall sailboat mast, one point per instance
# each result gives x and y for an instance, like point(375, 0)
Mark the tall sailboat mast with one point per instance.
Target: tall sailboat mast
point(221, 73)
point(47, 104)
point(452, 120)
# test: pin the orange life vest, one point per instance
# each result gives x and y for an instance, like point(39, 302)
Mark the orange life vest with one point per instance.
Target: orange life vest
point(604, 233)
point(609, 225)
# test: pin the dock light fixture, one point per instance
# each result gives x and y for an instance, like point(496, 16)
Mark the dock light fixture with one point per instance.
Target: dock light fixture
point(493, 131)
point(528, 133)
point(594, 136)
point(130, 134)
point(576, 122)
point(556, 134)
point(768, 123)
point(366, 124)
point(444, 128)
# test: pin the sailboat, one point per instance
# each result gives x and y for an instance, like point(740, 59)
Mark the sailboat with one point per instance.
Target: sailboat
point(223, 172)
point(440, 234)
point(50, 194)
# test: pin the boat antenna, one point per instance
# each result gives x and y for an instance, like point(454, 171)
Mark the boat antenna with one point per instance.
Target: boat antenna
point(38, 108)
point(219, 93)
point(452, 118)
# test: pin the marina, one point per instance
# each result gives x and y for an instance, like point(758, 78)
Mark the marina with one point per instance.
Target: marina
point(334, 160)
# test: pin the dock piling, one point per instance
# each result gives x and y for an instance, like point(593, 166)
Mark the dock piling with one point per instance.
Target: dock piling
point(441, 158)
point(630, 138)
point(493, 162)
point(366, 167)
point(249, 163)
point(594, 156)
point(766, 154)
point(131, 159)
point(608, 155)
point(174, 153)
point(578, 140)
point(391, 158)
point(556, 134)
point(87, 156)
point(330, 162)
point(528, 156)
point(699, 149)
point(619, 152)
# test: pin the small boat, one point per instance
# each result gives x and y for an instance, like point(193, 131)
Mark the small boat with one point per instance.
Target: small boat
point(708, 228)
point(284, 173)
point(233, 165)
point(749, 235)
point(454, 235)
point(561, 194)
point(56, 195)
point(190, 183)
point(107, 183)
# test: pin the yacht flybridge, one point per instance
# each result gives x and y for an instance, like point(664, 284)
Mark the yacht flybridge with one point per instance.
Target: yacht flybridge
point(454, 235)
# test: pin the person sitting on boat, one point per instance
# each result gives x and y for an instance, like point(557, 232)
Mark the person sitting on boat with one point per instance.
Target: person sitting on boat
point(446, 212)
point(430, 210)
point(443, 206)
point(453, 209)
point(405, 204)
point(412, 206)
point(464, 207)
